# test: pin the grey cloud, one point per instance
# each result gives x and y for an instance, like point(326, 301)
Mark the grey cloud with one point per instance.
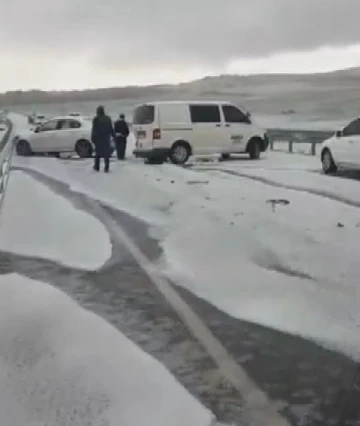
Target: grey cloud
point(159, 32)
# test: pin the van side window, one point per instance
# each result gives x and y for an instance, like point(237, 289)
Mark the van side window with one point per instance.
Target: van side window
point(234, 115)
point(144, 114)
point(205, 113)
point(352, 129)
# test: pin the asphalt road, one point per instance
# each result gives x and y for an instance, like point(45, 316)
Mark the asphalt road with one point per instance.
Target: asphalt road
point(306, 384)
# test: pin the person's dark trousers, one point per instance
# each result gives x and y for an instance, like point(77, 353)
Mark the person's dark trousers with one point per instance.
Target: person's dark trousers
point(97, 163)
point(120, 142)
point(107, 164)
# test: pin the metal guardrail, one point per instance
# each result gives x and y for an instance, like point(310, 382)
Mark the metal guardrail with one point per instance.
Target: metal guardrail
point(313, 137)
point(6, 150)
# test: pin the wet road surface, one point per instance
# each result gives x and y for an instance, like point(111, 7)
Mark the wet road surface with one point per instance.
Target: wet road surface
point(306, 383)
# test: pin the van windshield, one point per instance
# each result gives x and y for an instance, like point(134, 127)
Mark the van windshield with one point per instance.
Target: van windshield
point(144, 114)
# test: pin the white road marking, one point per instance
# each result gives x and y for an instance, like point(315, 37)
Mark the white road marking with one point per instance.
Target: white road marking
point(261, 408)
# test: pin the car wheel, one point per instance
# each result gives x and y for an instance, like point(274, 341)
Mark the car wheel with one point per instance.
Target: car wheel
point(23, 148)
point(254, 149)
point(328, 162)
point(180, 152)
point(83, 148)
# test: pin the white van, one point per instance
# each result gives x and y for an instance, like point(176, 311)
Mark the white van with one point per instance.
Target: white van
point(180, 129)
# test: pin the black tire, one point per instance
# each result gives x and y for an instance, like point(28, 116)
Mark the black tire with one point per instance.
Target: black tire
point(225, 156)
point(254, 149)
point(83, 148)
point(180, 152)
point(327, 162)
point(23, 148)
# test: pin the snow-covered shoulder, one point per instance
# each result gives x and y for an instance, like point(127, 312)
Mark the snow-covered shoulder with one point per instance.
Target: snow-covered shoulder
point(37, 222)
point(61, 364)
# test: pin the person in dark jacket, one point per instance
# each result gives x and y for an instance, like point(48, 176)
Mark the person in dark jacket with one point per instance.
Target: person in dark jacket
point(101, 133)
point(121, 134)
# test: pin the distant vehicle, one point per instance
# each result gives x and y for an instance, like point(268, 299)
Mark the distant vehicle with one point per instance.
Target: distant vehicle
point(75, 114)
point(180, 129)
point(60, 134)
point(39, 119)
point(342, 150)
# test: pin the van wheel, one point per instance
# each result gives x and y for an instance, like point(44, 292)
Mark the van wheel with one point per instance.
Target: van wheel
point(180, 152)
point(254, 149)
point(225, 156)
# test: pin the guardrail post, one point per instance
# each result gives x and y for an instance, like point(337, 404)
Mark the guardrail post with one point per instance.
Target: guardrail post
point(290, 146)
point(313, 148)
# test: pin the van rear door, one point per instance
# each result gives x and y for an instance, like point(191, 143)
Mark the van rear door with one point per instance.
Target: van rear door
point(144, 123)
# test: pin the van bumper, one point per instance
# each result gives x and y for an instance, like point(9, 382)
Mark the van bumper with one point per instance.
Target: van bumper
point(152, 154)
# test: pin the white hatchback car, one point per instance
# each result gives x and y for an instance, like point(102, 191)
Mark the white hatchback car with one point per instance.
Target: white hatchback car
point(342, 150)
point(60, 134)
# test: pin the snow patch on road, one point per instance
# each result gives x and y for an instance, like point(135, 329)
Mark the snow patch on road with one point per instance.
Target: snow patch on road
point(36, 222)
point(291, 268)
point(61, 364)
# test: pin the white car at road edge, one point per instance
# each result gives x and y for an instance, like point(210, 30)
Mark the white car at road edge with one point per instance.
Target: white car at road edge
point(59, 134)
point(342, 150)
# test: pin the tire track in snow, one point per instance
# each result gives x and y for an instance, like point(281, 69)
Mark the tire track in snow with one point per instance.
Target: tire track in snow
point(304, 377)
point(262, 411)
point(121, 293)
point(270, 182)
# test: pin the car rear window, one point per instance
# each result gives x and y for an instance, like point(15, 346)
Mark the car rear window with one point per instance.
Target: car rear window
point(144, 114)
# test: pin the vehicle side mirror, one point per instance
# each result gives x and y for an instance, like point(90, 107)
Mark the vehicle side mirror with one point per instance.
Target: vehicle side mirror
point(338, 134)
point(37, 129)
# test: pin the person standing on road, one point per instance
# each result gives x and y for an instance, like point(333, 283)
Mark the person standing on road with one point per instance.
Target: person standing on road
point(121, 134)
point(101, 133)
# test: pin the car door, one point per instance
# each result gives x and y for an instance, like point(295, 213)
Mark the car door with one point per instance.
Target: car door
point(45, 137)
point(69, 131)
point(237, 127)
point(351, 144)
point(207, 133)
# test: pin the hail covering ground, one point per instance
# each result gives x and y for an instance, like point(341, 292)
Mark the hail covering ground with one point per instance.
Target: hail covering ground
point(61, 364)
point(36, 222)
point(289, 267)
point(219, 228)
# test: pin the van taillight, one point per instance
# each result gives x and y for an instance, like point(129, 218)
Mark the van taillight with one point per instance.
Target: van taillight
point(156, 134)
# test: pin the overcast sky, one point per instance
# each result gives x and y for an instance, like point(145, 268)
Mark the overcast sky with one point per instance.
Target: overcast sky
point(90, 43)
